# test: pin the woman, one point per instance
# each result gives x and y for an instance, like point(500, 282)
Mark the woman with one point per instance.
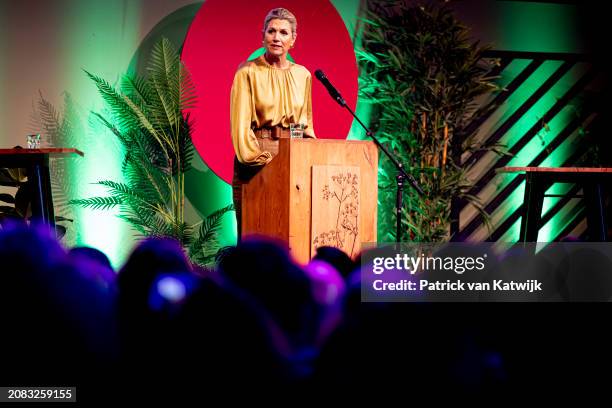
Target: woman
point(268, 94)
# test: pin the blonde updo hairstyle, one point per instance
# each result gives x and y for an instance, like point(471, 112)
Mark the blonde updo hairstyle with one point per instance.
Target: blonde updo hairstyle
point(281, 14)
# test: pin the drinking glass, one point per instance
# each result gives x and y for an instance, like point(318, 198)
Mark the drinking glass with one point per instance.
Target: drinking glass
point(297, 130)
point(33, 141)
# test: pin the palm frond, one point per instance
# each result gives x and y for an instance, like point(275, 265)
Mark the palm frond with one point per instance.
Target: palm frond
point(137, 88)
point(188, 94)
point(155, 130)
point(148, 180)
point(122, 111)
point(97, 203)
point(208, 229)
point(164, 72)
point(122, 137)
point(127, 194)
point(187, 150)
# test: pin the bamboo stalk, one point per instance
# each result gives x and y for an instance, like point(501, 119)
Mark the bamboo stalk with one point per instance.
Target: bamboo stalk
point(424, 125)
point(445, 147)
point(423, 132)
point(436, 157)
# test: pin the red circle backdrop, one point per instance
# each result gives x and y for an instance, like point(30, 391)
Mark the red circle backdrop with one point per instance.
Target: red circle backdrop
point(225, 33)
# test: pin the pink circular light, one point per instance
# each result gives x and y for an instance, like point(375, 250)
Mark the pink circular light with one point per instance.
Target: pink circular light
point(224, 34)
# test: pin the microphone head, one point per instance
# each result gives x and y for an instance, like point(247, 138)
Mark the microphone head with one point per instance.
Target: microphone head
point(319, 74)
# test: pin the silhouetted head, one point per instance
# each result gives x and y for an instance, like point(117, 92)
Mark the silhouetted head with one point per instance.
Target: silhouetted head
point(139, 324)
point(95, 265)
point(337, 258)
point(151, 258)
point(26, 249)
point(227, 336)
point(61, 323)
point(264, 269)
point(92, 254)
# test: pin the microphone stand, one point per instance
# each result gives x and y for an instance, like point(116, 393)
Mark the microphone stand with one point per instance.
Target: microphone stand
point(400, 179)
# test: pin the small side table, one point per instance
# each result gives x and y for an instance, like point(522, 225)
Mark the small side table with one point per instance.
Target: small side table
point(36, 161)
point(539, 179)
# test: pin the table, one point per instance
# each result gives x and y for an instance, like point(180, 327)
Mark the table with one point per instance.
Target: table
point(36, 161)
point(539, 179)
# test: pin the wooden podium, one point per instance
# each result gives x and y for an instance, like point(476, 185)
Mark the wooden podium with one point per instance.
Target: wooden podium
point(315, 193)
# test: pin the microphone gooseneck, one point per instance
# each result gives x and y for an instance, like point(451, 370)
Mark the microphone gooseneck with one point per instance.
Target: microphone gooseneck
point(330, 88)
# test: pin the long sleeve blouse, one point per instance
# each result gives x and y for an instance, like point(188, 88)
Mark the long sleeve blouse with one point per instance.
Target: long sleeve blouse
point(264, 96)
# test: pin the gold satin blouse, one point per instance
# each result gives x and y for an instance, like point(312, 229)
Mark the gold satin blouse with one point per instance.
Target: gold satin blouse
point(263, 95)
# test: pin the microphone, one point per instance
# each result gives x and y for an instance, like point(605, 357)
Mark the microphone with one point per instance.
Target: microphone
point(330, 88)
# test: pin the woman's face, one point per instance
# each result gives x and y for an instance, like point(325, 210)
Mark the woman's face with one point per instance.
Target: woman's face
point(278, 38)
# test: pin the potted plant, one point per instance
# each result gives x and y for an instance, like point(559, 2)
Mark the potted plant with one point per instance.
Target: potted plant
point(147, 118)
point(423, 74)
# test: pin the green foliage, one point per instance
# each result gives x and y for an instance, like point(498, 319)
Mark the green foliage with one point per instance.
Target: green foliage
point(146, 116)
point(203, 249)
point(423, 75)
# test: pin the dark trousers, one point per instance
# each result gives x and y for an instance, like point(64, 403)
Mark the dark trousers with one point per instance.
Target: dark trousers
point(242, 175)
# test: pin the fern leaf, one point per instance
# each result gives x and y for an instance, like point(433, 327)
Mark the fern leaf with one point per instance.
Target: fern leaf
point(97, 203)
point(136, 88)
point(122, 112)
point(123, 138)
point(209, 228)
point(188, 95)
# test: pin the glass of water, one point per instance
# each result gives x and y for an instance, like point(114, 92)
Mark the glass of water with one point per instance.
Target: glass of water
point(33, 141)
point(297, 130)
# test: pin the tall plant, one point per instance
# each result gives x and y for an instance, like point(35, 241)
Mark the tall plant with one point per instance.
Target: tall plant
point(423, 75)
point(147, 118)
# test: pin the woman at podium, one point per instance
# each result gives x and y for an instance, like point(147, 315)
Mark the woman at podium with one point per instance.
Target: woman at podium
point(268, 94)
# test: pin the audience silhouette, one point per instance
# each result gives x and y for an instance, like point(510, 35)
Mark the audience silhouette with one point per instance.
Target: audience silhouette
point(256, 317)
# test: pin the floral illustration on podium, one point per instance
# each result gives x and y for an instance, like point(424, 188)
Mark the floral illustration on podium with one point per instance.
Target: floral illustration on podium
point(335, 208)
